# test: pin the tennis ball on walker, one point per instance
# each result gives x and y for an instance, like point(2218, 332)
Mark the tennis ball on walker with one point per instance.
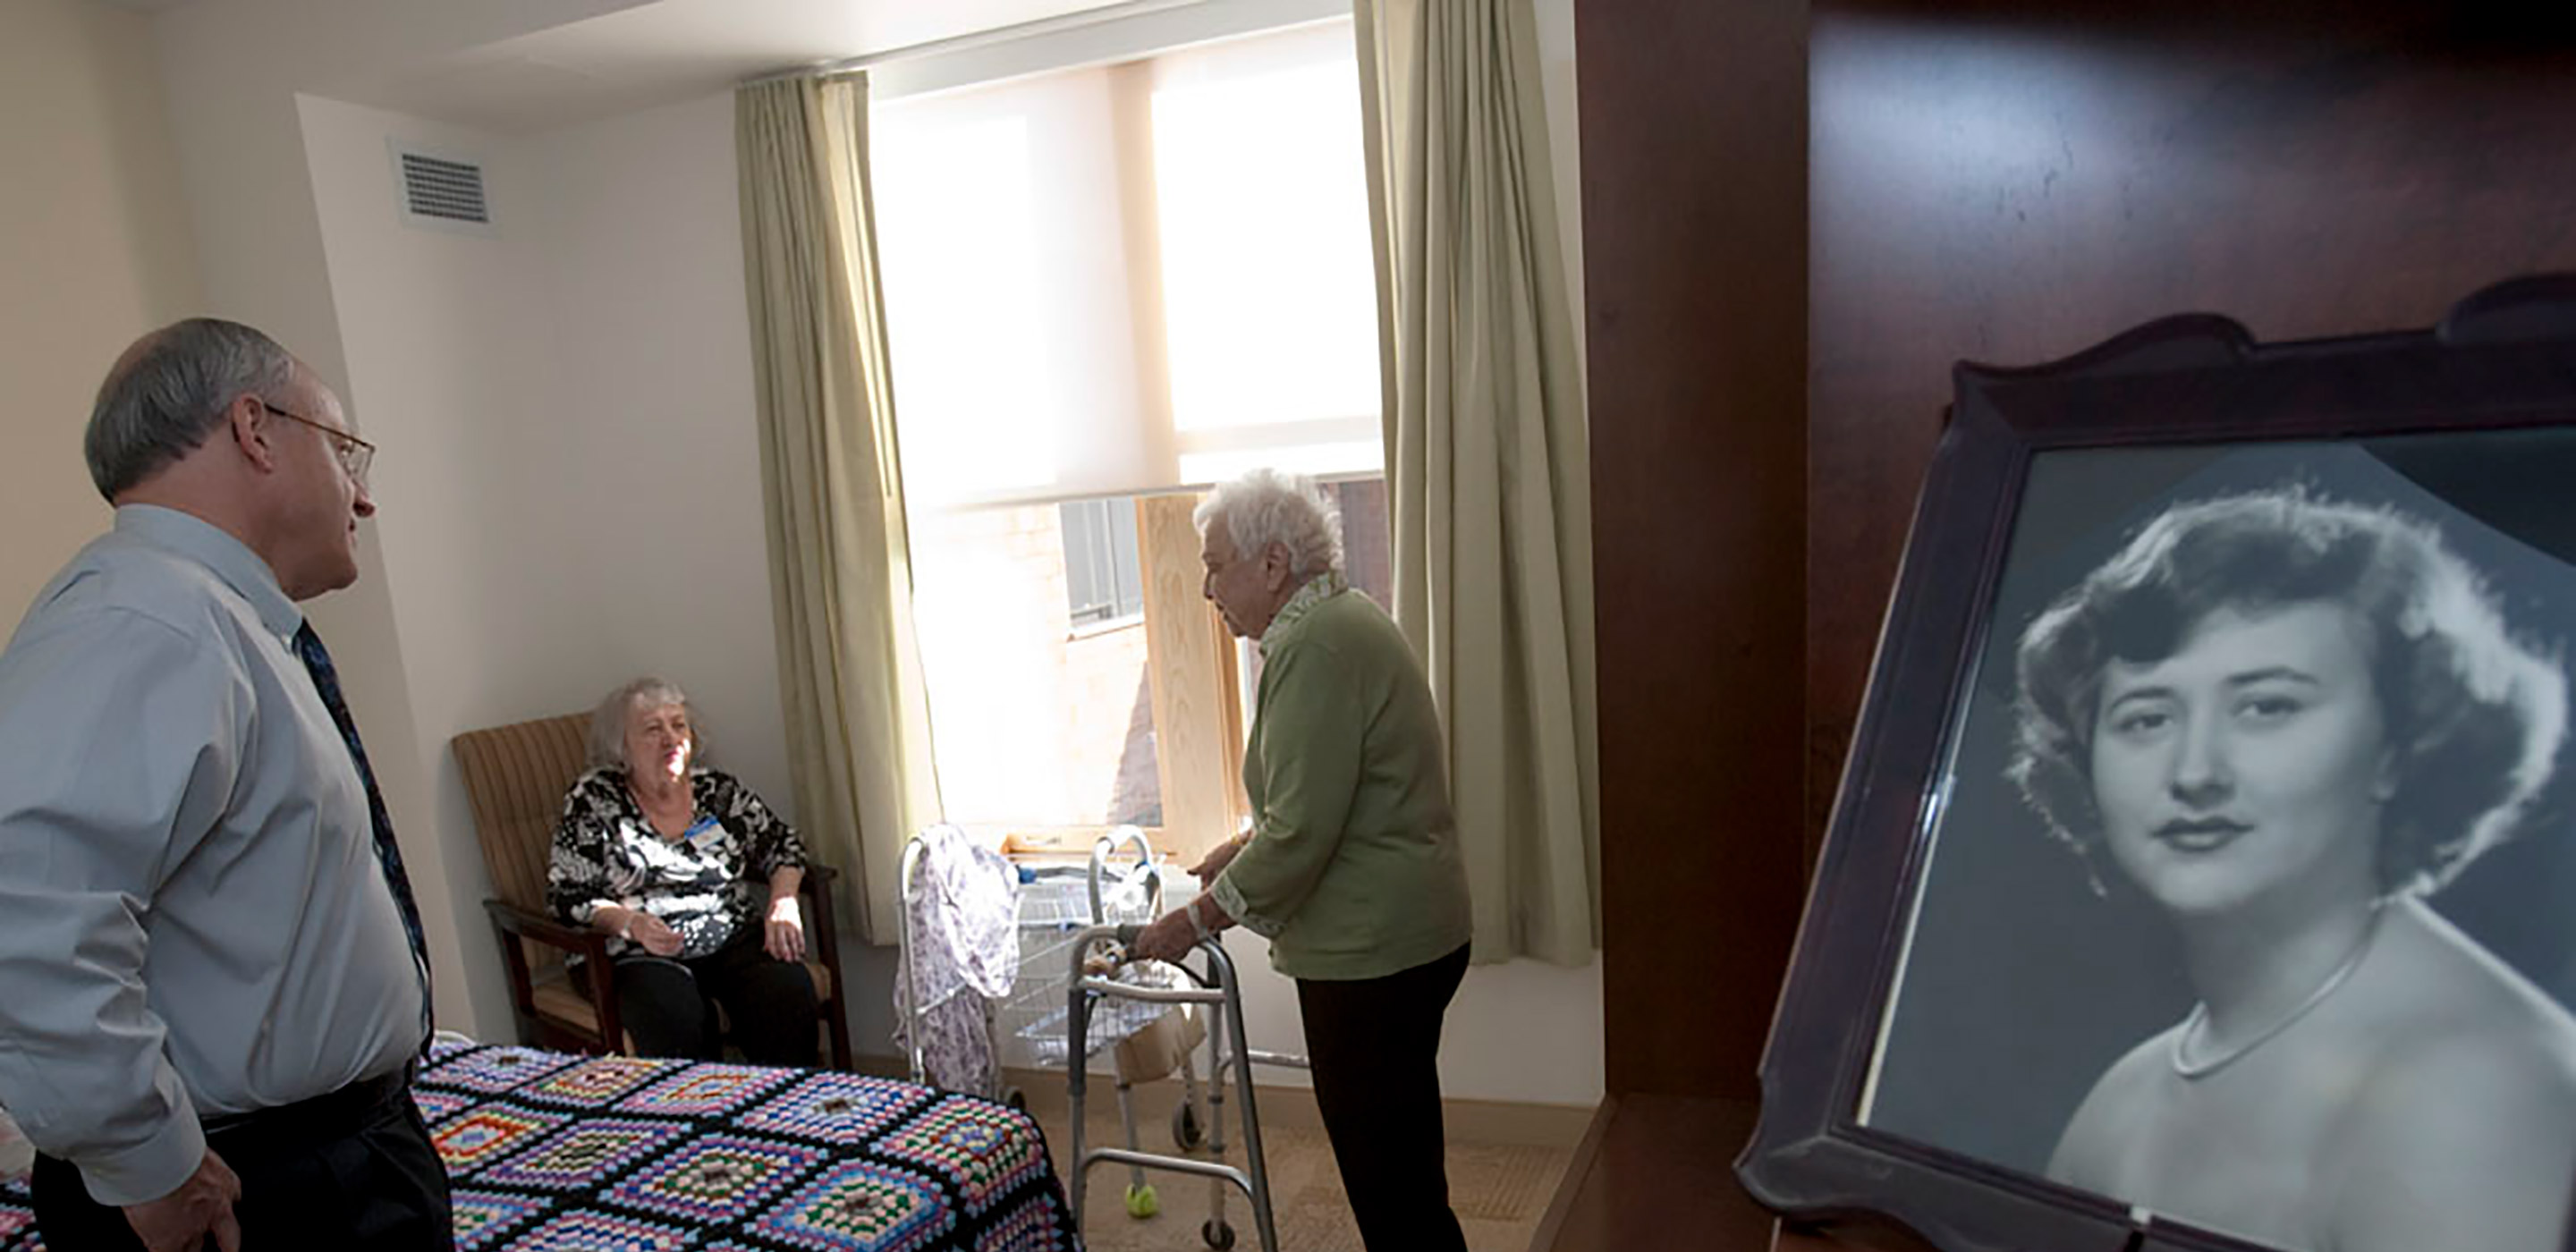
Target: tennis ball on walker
point(1141, 1202)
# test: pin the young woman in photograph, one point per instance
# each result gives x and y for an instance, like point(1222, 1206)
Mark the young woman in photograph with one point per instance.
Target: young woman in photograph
point(2286, 720)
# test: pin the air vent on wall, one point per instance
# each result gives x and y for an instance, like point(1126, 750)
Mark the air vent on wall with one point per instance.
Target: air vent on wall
point(442, 191)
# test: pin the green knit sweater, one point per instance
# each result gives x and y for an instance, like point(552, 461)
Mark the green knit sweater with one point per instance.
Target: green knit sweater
point(1353, 868)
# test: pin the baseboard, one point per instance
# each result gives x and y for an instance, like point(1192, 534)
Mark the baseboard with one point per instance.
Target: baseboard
point(879, 1065)
point(1552, 1222)
point(1512, 1122)
point(1475, 1121)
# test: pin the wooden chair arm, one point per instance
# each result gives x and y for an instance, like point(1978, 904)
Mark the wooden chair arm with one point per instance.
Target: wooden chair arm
point(823, 942)
point(528, 924)
point(513, 923)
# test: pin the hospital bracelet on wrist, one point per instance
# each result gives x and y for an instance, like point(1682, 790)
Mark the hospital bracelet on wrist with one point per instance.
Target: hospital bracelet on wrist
point(1197, 927)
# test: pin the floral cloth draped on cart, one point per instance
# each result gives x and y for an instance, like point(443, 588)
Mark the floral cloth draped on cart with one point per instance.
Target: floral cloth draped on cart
point(966, 955)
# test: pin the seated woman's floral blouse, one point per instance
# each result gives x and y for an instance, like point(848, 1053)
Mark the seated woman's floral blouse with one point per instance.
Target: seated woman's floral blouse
point(708, 887)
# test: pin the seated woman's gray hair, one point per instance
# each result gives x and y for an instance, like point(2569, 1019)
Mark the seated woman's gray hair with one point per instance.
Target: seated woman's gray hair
point(607, 740)
point(2476, 716)
point(1268, 506)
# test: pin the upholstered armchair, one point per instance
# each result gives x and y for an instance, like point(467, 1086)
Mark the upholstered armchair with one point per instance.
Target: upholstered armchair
point(516, 777)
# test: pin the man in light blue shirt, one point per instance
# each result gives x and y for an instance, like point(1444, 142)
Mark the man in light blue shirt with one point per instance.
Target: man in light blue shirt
point(212, 986)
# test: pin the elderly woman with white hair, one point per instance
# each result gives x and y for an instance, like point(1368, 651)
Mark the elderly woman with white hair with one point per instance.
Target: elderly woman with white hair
point(696, 880)
point(1351, 868)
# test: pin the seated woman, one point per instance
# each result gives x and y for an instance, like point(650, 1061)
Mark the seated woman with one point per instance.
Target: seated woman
point(2287, 720)
point(694, 877)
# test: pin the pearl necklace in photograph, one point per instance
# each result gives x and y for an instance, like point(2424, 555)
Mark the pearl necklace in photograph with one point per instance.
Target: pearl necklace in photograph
point(2198, 1022)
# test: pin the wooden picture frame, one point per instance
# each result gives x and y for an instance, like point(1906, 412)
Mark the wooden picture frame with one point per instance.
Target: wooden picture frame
point(1965, 981)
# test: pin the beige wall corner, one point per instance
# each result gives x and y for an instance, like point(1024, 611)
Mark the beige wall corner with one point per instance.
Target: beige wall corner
point(100, 257)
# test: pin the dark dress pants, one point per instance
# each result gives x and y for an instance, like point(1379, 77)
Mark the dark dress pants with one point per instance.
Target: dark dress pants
point(353, 1169)
point(1375, 1047)
point(669, 1006)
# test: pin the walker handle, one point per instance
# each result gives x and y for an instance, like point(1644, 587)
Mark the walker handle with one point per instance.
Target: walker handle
point(1146, 869)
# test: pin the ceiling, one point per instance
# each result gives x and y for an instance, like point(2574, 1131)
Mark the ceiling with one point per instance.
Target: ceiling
point(650, 52)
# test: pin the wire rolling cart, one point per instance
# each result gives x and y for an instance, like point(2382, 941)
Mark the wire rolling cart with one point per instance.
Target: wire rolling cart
point(1060, 907)
point(1057, 908)
point(1089, 993)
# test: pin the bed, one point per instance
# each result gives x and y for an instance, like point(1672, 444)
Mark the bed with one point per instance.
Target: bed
point(552, 1151)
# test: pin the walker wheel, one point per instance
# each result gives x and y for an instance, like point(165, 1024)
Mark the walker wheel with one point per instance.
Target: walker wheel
point(1017, 1099)
point(1216, 1234)
point(1185, 1126)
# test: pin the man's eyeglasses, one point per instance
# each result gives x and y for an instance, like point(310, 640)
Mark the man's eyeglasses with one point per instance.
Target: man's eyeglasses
point(355, 454)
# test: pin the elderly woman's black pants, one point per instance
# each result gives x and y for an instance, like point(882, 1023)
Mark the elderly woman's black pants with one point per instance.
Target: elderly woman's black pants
point(669, 1007)
point(1375, 1047)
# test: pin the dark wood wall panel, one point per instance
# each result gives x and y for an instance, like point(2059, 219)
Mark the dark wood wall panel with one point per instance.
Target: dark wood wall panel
point(1772, 320)
point(2014, 182)
point(1694, 192)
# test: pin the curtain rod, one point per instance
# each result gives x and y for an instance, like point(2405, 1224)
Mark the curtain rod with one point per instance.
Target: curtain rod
point(981, 38)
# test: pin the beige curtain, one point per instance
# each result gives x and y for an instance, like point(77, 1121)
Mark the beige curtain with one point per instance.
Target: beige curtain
point(840, 568)
point(1486, 454)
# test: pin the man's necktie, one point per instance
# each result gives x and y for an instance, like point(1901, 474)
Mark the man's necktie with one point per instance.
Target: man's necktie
point(308, 648)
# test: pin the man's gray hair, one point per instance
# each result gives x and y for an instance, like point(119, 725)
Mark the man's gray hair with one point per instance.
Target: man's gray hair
point(161, 402)
point(608, 721)
point(1268, 506)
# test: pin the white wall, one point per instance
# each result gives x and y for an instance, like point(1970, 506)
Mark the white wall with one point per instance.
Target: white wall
point(569, 490)
point(232, 70)
point(659, 490)
point(443, 348)
point(250, 201)
point(98, 256)
point(1524, 1031)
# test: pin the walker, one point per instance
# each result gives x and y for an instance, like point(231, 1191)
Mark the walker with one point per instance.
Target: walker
point(1219, 990)
point(1060, 909)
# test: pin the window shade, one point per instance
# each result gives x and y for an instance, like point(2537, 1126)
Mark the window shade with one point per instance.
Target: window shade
point(1131, 278)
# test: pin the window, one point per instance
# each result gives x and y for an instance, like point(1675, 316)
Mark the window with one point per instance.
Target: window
point(1107, 287)
point(1102, 583)
point(1036, 721)
point(1365, 527)
point(1133, 277)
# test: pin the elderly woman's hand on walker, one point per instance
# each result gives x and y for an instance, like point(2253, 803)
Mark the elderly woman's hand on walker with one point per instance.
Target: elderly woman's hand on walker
point(1171, 936)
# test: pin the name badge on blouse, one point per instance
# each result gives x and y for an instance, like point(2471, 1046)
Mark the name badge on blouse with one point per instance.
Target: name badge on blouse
point(705, 829)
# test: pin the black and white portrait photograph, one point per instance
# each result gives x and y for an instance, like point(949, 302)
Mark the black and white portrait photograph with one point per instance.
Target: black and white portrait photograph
point(2243, 888)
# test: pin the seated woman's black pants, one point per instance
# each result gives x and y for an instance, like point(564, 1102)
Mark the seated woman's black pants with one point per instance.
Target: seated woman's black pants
point(669, 1006)
point(1375, 1047)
